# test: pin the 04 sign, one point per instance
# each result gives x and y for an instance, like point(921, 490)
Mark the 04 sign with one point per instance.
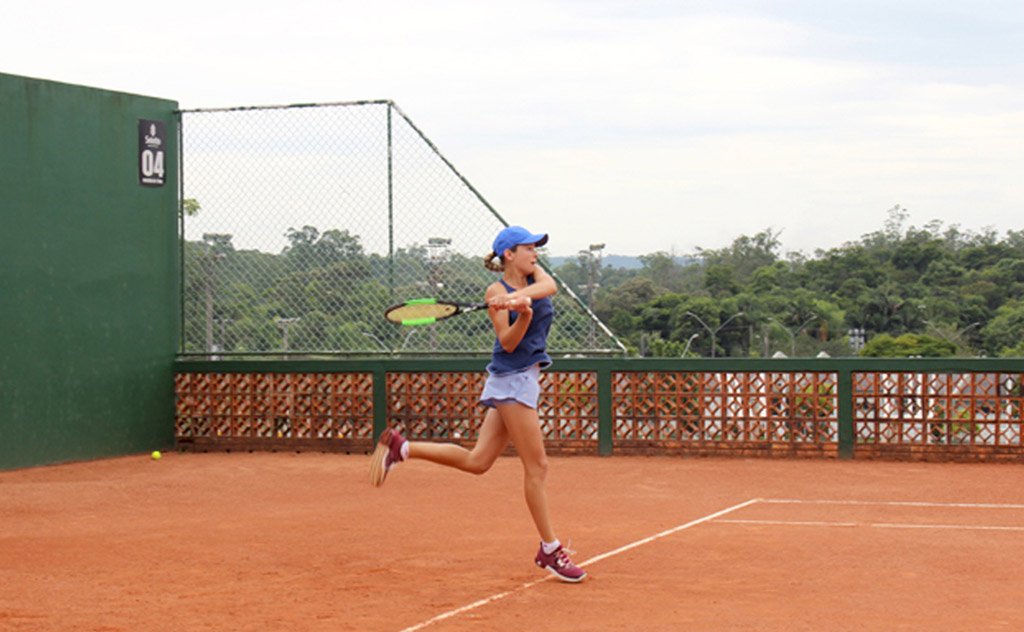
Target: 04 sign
point(152, 149)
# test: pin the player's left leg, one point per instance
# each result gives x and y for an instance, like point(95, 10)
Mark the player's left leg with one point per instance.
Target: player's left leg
point(524, 429)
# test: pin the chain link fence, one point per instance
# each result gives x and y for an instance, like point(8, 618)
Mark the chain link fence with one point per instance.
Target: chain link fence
point(301, 224)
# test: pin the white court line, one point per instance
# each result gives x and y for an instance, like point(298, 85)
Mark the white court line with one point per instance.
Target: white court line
point(894, 503)
point(475, 605)
point(876, 525)
point(795, 523)
point(965, 527)
point(654, 537)
point(596, 558)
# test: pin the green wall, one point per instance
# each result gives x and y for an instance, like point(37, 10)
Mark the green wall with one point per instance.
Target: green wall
point(88, 286)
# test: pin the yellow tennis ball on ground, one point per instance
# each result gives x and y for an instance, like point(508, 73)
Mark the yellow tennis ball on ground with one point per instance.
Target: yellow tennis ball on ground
point(156, 455)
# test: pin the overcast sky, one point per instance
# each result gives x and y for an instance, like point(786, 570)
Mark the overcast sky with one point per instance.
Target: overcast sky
point(647, 125)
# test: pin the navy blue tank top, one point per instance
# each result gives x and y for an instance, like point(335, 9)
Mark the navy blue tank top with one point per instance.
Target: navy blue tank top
point(532, 349)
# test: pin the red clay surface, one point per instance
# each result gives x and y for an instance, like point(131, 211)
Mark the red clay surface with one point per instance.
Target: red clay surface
point(302, 542)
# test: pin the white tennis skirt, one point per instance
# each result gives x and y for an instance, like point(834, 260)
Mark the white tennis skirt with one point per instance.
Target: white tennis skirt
point(522, 386)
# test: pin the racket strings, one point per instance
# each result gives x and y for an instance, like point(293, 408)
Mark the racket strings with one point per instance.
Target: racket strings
point(420, 311)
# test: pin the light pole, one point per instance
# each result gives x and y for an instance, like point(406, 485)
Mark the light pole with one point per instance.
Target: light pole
point(792, 336)
point(593, 254)
point(284, 324)
point(222, 322)
point(965, 329)
point(438, 247)
point(405, 340)
point(686, 349)
point(714, 332)
point(594, 272)
point(212, 260)
point(375, 339)
point(957, 334)
point(217, 247)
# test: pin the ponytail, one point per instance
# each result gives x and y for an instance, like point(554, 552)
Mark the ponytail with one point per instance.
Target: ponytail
point(490, 264)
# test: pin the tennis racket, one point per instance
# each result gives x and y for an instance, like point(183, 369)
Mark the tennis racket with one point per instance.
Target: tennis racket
point(424, 311)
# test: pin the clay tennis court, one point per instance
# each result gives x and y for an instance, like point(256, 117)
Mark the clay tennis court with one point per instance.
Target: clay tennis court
point(301, 542)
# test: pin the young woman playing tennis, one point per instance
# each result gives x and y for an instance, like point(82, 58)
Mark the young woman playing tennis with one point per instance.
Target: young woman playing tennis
point(519, 306)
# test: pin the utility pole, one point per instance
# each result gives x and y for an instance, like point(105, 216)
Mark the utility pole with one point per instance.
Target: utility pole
point(594, 253)
point(438, 247)
point(284, 324)
point(216, 244)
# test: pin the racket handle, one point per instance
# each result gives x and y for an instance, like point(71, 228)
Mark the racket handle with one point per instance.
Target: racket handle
point(513, 303)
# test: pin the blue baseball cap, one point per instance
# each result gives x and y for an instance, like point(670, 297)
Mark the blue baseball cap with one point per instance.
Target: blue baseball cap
point(512, 236)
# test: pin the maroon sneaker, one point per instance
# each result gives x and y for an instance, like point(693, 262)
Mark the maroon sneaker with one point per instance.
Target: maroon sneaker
point(386, 455)
point(559, 565)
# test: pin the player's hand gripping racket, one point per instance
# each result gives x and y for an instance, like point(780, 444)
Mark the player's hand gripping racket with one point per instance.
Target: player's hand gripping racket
point(425, 311)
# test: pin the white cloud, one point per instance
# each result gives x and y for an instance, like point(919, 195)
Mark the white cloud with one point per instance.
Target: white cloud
point(640, 124)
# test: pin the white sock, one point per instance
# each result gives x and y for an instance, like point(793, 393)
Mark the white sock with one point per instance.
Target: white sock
point(550, 547)
point(404, 450)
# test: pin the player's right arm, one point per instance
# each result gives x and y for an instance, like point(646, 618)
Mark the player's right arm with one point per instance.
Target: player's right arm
point(509, 335)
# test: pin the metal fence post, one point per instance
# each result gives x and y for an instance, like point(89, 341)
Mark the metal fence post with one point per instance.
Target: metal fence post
point(391, 210)
point(604, 411)
point(380, 401)
point(844, 382)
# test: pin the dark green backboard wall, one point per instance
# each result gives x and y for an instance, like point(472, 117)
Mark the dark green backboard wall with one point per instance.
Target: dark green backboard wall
point(88, 285)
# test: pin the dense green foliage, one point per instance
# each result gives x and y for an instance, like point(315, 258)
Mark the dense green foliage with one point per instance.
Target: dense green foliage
point(928, 291)
point(321, 293)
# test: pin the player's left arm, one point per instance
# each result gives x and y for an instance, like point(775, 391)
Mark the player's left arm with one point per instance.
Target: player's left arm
point(543, 286)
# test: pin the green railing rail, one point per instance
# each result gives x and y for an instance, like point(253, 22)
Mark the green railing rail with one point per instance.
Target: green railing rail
point(1005, 378)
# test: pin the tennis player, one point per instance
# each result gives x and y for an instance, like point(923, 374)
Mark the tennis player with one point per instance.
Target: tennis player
point(519, 306)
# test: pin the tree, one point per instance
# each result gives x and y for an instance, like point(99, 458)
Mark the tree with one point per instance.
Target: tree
point(299, 252)
point(336, 245)
point(719, 281)
point(908, 346)
point(190, 206)
point(666, 273)
point(1005, 331)
point(746, 254)
point(620, 308)
point(776, 276)
point(657, 315)
point(939, 284)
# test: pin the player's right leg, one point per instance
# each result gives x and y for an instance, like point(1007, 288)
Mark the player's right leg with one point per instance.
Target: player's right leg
point(491, 442)
point(392, 448)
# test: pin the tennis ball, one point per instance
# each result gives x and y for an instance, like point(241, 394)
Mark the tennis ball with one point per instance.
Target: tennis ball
point(156, 455)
